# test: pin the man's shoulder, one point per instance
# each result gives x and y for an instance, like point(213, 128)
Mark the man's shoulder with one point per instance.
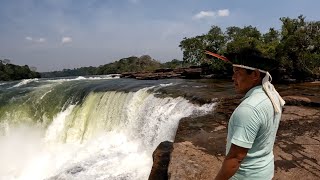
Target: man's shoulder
point(255, 105)
point(256, 99)
point(243, 113)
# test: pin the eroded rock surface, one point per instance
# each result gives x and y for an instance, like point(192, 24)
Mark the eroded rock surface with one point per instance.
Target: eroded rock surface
point(161, 159)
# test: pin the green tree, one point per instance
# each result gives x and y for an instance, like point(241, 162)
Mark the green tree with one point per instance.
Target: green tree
point(193, 49)
point(14, 72)
point(270, 42)
point(215, 40)
point(238, 38)
point(175, 63)
point(294, 47)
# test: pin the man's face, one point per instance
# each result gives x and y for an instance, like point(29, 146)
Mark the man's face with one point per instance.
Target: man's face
point(243, 81)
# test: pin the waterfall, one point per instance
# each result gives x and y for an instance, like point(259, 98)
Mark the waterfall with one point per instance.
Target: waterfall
point(50, 132)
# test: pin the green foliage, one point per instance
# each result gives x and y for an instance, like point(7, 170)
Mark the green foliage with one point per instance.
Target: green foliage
point(299, 47)
point(130, 64)
point(248, 37)
point(269, 44)
point(175, 63)
point(83, 71)
point(14, 72)
point(296, 46)
point(215, 40)
point(193, 49)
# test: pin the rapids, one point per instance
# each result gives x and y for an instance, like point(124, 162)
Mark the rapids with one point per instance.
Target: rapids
point(87, 127)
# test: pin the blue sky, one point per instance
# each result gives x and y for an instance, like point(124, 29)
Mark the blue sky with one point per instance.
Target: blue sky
point(56, 34)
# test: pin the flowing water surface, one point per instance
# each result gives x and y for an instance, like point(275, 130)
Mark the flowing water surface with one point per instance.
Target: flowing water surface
point(98, 127)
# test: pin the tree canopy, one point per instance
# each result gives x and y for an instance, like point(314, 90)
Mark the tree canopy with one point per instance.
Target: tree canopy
point(296, 46)
point(10, 71)
point(129, 64)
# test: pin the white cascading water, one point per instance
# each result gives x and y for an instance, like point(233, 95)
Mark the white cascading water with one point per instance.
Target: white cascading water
point(110, 135)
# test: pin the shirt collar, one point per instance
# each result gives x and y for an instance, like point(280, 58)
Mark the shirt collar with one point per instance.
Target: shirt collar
point(256, 89)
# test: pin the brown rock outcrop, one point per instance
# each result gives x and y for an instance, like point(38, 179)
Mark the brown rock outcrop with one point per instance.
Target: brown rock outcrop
point(190, 162)
point(188, 73)
point(161, 159)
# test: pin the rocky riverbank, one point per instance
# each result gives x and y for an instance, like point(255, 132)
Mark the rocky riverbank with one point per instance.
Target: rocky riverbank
point(204, 72)
point(199, 146)
point(189, 73)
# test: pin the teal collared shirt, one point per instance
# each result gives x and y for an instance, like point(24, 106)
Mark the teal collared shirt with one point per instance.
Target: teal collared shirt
point(253, 125)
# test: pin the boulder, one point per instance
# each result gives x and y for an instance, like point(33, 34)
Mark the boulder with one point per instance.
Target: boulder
point(192, 73)
point(161, 159)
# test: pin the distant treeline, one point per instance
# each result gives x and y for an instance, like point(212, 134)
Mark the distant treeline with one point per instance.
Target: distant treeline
point(130, 64)
point(296, 47)
point(9, 72)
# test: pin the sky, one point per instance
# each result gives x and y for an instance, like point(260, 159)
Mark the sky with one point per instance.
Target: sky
point(65, 34)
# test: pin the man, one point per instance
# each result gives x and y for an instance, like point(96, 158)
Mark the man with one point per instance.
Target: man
point(254, 123)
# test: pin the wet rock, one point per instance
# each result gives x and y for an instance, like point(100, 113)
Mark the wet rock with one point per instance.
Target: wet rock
point(161, 159)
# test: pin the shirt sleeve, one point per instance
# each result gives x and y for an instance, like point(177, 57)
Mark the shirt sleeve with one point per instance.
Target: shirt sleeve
point(246, 125)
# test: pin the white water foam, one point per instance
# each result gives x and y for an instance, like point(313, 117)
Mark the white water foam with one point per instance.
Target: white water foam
point(110, 76)
point(24, 82)
point(26, 155)
point(113, 76)
point(18, 148)
point(45, 94)
point(165, 85)
point(124, 152)
point(57, 125)
point(80, 78)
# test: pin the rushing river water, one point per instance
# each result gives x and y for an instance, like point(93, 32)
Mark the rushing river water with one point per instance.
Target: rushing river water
point(98, 127)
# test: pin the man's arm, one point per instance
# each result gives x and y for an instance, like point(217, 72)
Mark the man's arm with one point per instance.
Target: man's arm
point(232, 162)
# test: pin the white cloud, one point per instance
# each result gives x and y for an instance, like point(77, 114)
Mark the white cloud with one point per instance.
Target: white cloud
point(66, 40)
point(40, 40)
point(223, 12)
point(35, 40)
point(29, 38)
point(212, 14)
point(204, 14)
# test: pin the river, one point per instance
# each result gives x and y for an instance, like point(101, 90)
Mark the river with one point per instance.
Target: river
point(99, 127)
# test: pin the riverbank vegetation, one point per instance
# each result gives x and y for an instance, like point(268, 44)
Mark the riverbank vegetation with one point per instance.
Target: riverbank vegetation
point(9, 72)
point(130, 64)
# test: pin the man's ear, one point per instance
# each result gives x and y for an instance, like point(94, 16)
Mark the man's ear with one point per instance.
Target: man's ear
point(256, 74)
